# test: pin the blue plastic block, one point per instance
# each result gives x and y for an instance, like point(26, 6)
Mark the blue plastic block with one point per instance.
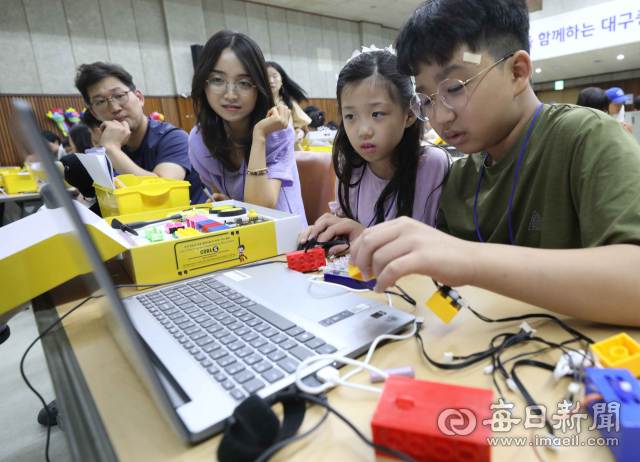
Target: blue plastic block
point(618, 386)
point(218, 228)
point(348, 282)
point(200, 223)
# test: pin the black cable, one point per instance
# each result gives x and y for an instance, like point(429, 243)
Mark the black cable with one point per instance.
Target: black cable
point(523, 390)
point(24, 377)
point(268, 453)
point(379, 447)
point(403, 295)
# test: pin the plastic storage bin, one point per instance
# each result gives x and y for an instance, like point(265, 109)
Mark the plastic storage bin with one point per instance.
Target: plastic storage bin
point(4, 170)
point(142, 194)
point(19, 182)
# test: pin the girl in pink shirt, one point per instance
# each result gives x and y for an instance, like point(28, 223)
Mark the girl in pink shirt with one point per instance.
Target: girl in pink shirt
point(382, 170)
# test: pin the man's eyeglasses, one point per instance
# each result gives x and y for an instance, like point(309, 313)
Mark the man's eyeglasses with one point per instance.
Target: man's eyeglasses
point(452, 92)
point(102, 104)
point(219, 85)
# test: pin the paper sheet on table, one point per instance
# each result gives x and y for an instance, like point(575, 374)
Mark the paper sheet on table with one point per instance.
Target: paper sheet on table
point(99, 167)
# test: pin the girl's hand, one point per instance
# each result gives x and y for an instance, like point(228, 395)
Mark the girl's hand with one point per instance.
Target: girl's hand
point(277, 119)
point(218, 197)
point(328, 227)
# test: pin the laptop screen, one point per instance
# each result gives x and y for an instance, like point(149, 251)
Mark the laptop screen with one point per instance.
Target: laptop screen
point(96, 279)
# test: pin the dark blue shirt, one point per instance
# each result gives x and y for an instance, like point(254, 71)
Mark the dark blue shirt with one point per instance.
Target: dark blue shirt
point(165, 143)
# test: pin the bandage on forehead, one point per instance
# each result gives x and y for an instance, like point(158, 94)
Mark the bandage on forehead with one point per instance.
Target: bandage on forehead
point(471, 58)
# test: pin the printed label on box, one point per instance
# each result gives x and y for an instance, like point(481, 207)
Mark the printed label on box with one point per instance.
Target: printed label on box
point(209, 251)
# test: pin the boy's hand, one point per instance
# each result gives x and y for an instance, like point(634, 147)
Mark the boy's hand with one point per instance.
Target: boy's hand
point(277, 119)
point(218, 196)
point(329, 226)
point(114, 134)
point(404, 246)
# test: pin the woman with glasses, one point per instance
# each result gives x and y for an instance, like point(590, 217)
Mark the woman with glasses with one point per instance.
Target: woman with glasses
point(242, 144)
point(286, 91)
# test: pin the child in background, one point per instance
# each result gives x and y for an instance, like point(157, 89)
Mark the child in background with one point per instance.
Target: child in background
point(242, 145)
point(545, 208)
point(286, 91)
point(382, 171)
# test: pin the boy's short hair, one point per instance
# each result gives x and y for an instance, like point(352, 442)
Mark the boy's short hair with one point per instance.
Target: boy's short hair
point(438, 28)
point(595, 98)
point(89, 120)
point(636, 103)
point(51, 137)
point(90, 74)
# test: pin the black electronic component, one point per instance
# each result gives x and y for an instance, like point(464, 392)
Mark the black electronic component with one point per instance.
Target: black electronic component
point(232, 212)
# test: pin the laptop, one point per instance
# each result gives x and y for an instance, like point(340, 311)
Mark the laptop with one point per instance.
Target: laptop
point(203, 345)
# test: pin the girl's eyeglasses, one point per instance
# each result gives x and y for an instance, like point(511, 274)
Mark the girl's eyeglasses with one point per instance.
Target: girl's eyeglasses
point(452, 92)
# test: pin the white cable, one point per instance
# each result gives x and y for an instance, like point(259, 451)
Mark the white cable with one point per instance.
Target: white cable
point(341, 359)
point(375, 344)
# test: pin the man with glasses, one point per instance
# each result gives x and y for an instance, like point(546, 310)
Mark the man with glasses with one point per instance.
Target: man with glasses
point(135, 143)
point(545, 208)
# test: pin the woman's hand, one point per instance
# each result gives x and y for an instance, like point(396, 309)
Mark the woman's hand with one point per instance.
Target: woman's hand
point(218, 196)
point(277, 119)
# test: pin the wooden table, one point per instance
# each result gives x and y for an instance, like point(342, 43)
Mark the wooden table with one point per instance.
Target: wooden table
point(108, 412)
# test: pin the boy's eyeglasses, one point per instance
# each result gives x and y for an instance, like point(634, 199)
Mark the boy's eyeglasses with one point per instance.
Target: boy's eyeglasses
point(102, 104)
point(452, 92)
point(218, 85)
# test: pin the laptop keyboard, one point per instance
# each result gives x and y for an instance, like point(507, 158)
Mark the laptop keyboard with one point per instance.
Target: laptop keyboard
point(243, 345)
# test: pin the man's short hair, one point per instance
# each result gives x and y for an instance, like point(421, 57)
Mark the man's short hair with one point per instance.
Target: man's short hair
point(90, 74)
point(438, 28)
point(51, 137)
point(89, 120)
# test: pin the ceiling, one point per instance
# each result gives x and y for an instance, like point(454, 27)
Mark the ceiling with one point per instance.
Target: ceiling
point(393, 13)
point(389, 13)
point(583, 64)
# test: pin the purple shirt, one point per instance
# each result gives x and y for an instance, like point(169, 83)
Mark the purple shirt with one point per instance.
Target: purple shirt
point(281, 163)
point(432, 168)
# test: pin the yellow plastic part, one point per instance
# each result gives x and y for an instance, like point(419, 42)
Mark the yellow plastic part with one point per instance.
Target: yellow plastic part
point(187, 232)
point(142, 195)
point(153, 181)
point(19, 182)
point(252, 214)
point(4, 170)
point(221, 207)
point(619, 351)
point(355, 273)
point(442, 306)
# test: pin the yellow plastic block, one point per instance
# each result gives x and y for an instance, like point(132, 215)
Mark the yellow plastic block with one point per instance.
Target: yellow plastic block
point(442, 307)
point(187, 232)
point(355, 273)
point(619, 351)
point(252, 214)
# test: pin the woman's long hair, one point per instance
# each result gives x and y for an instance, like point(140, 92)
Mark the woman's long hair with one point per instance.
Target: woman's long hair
point(289, 90)
point(211, 125)
point(81, 137)
point(381, 67)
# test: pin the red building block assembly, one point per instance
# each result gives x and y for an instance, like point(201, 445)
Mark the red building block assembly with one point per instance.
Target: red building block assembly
point(303, 261)
point(433, 421)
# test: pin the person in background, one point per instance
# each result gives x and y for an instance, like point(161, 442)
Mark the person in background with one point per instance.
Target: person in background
point(135, 143)
point(66, 145)
point(616, 107)
point(318, 117)
point(242, 144)
point(80, 138)
point(636, 103)
point(286, 91)
point(596, 98)
point(332, 125)
point(94, 127)
point(57, 150)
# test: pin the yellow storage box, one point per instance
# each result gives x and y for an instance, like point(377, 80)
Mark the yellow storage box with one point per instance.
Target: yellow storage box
point(142, 194)
point(19, 182)
point(4, 170)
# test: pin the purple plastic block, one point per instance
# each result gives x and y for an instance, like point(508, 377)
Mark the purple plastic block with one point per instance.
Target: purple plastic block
point(348, 282)
point(191, 221)
point(170, 228)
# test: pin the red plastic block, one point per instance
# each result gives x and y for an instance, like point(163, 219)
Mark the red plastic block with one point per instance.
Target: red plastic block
point(303, 261)
point(409, 418)
point(208, 228)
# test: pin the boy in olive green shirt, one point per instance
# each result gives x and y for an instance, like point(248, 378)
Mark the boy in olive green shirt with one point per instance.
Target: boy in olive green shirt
point(556, 200)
